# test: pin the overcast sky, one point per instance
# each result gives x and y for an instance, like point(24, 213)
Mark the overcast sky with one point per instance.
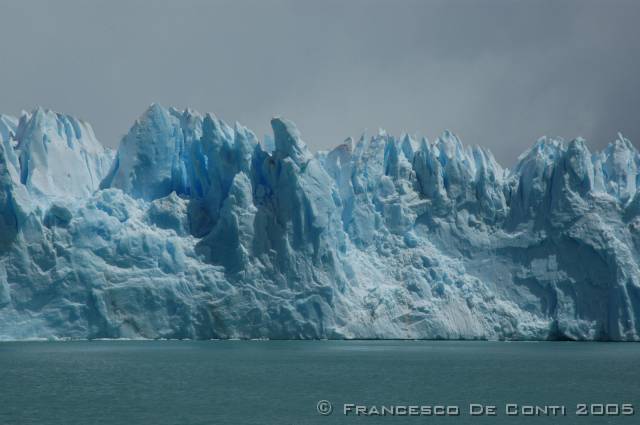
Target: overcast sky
point(498, 73)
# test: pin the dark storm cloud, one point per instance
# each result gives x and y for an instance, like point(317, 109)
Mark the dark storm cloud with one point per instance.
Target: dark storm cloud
point(498, 73)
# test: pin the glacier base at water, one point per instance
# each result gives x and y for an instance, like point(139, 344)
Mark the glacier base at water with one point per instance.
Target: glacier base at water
point(194, 229)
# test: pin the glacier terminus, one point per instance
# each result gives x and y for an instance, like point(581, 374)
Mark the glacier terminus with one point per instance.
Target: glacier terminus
point(196, 229)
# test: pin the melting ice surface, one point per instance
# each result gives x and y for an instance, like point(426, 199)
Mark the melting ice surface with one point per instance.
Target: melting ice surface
point(193, 229)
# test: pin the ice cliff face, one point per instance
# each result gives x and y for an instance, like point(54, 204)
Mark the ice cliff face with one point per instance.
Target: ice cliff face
point(194, 230)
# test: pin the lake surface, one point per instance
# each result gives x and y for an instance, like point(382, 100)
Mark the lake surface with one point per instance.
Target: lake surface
point(281, 382)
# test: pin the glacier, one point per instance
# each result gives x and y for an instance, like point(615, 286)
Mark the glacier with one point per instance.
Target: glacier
point(197, 229)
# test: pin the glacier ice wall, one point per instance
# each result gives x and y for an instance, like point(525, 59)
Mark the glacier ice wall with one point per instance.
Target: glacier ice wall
point(193, 229)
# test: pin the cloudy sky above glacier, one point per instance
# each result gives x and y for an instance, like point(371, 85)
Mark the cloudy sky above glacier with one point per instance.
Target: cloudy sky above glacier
point(498, 73)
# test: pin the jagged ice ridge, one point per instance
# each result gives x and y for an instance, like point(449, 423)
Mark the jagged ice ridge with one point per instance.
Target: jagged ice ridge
point(194, 229)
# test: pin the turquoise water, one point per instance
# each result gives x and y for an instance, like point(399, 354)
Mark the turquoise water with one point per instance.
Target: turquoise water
point(281, 382)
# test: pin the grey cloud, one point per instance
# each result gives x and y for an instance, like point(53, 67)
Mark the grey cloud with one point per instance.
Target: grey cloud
point(498, 73)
